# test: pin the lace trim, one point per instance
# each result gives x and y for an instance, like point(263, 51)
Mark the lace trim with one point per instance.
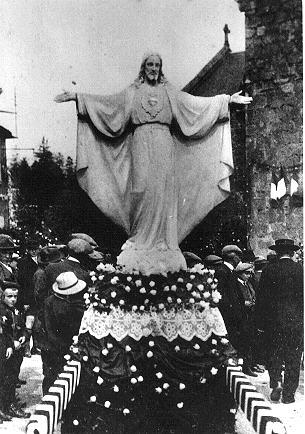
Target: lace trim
point(170, 324)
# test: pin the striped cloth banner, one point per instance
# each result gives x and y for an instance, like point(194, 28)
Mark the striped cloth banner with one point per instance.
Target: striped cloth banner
point(254, 405)
point(49, 412)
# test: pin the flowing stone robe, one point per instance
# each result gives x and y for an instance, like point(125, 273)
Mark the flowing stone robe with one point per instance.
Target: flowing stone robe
point(155, 160)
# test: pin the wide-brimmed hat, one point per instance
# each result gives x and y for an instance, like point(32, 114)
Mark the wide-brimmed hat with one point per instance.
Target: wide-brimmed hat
point(85, 237)
point(231, 248)
point(7, 244)
point(213, 260)
point(48, 254)
point(78, 245)
point(242, 267)
point(68, 284)
point(284, 244)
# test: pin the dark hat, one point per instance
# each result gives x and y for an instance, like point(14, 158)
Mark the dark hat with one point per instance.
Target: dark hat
point(97, 256)
point(31, 244)
point(191, 258)
point(260, 260)
point(284, 244)
point(230, 248)
point(68, 284)
point(85, 237)
point(213, 260)
point(242, 267)
point(5, 284)
point(78, 245)
point(6, 243)
point(48, 254)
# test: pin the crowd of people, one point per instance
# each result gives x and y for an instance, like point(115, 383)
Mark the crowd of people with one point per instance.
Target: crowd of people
point(42, 305)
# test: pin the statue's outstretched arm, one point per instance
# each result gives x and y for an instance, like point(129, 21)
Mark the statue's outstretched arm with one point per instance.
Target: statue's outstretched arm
point(237, 98)
point(65, 96)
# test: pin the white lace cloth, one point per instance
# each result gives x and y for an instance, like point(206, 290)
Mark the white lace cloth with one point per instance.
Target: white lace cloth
point(167, 323)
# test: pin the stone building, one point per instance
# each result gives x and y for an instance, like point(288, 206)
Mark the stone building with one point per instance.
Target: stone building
point(4, 197)
point(274, 141)
point(267, 135)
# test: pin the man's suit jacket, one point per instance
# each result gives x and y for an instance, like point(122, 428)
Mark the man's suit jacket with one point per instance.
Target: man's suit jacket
point(26, 270)
point(280, 296)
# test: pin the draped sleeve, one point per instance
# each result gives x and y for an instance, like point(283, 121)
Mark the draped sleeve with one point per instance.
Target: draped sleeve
point(204, 160)
point(103, 152)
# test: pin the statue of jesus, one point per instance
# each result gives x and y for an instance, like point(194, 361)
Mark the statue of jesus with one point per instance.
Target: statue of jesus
point(155, 160)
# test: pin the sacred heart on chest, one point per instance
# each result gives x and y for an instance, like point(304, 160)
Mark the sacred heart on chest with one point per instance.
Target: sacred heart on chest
point(152, 103)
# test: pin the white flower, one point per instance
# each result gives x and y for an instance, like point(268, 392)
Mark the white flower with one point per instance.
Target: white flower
point(122, 302)
point(96, 369)
point(177, 348)
point(93, 278)
point(174, 288)
point(140, 379)
point(203, 303)
point(107, 404)
point(151, 343)
point(240, 361)
point(212, 272)
point(158, 389)
point(149, 354)
point(180, 404)
point(116, 388)
point(179, 300)
point(192, 277)
point(129, 279)
point(127, 288)
point(206, 294)
point(209, 280)
point(113, 294)
point(166, 288)
point(224, 341)
point(105, 352)
point(203, 380)
point(101, 277)
point(213, 286)
point(75, 339)
point(126, 411)
point(152, 283)
point(85, 358)
point(192, 300)
point(143, 290)
point(165, 386)
point(67, 357)
point(169, 299)
point(153, 292)
point(134, 308)
point(133, 368)
point(99, 380)
point(103, 301)
point(95, 304)
point(216, 296)
point(214, 371)
point(133, 380)
point(146, 301)
point(86, 295)
point(161, 306)
point(189, 286)
point(138, 282)
point(142, 307)
point(87, 301)
point(181, 386)
point(197, 346)
point(93, 398)
point(75, 350)
point(109, 345)
point(75, 422)
point(92, 273)
point(127, 348)
point(214, 342)
point(180, 280)
point(159, 375)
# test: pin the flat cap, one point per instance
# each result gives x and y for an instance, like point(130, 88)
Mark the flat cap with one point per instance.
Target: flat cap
point(243, 266)
point(231, 248)
point(213, 259)
point(78, 245)
point(85, 237)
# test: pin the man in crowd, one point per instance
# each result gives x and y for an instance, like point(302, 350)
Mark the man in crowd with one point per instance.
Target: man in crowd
point(63, 312)
point(280, 315)
point(231, 305)
point(12, 340)
point(27, 267)
point(7, 247)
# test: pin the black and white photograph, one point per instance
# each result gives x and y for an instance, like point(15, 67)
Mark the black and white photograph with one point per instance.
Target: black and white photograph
point(151, 217)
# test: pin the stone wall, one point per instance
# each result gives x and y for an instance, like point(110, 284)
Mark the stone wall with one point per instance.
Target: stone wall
point(274, 120)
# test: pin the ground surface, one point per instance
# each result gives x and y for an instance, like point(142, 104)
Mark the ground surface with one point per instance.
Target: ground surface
point(292, 415)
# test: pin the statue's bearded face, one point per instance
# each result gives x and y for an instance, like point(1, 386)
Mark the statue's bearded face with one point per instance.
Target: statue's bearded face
point(152, 68)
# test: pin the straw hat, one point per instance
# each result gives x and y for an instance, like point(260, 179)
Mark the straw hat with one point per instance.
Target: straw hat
point(68, 284)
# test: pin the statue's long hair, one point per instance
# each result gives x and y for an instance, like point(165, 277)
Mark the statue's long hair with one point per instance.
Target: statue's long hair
point(141, 76)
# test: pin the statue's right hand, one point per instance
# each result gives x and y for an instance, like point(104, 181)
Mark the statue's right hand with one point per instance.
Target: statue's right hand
point(65, 96)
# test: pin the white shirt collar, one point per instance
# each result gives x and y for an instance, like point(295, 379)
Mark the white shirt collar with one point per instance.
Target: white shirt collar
point(229, 265)
point(8, 267)
point(72, 259)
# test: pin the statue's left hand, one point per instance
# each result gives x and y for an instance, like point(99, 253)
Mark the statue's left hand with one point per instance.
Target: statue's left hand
point(237, 98)
point(65, 96)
